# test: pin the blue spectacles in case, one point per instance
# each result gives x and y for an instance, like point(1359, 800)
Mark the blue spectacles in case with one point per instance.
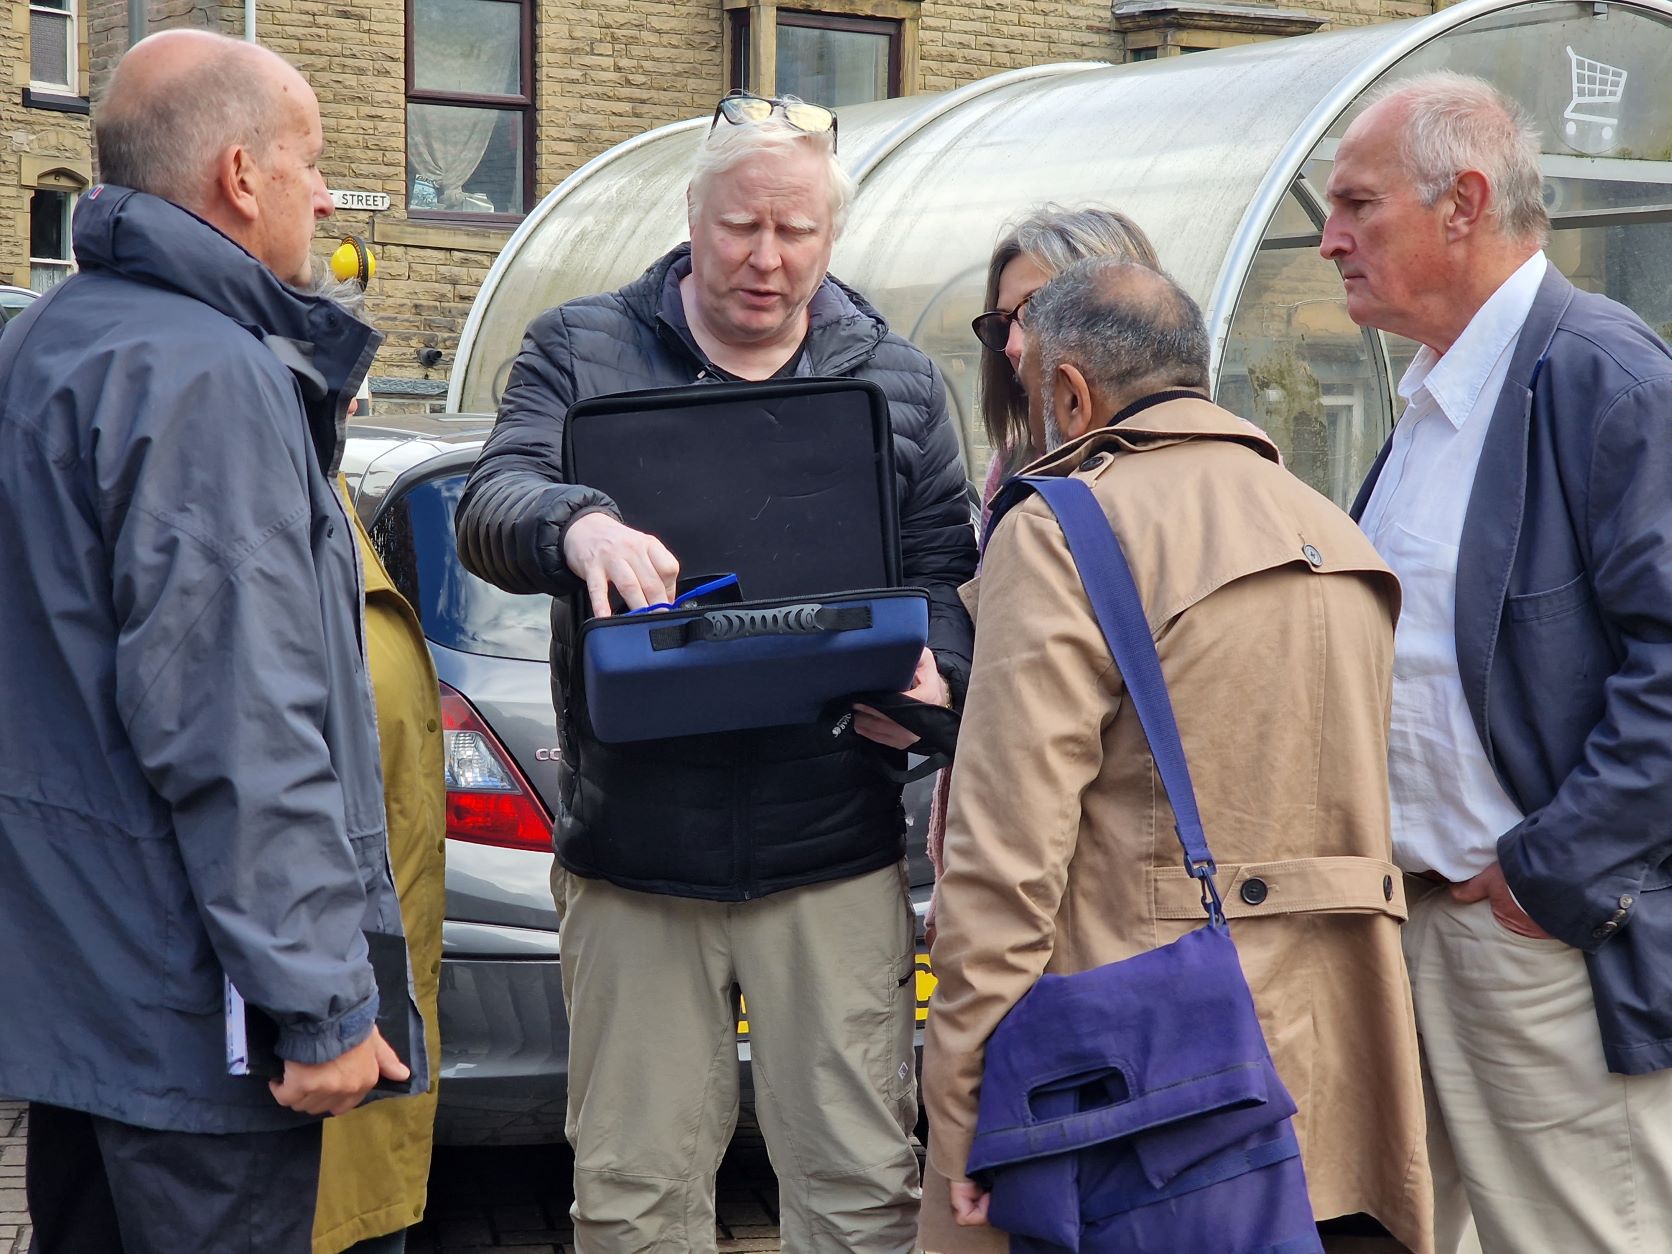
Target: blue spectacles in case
point(693, 595)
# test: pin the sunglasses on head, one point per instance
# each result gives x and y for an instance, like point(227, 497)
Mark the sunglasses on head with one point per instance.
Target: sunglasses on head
point(742, 108)
point(993, 327)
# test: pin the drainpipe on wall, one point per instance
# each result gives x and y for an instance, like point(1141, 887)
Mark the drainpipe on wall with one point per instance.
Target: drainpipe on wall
point(136, 21)
point(249, 21)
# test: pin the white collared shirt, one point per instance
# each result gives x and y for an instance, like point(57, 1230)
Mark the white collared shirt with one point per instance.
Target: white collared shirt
point(1448, 807)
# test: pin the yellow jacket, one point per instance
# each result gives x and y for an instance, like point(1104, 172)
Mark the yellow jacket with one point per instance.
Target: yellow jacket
point(376, 1164)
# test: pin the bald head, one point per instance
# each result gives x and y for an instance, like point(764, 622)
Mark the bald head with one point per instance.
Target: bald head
point(179, 100)
point(226, 129)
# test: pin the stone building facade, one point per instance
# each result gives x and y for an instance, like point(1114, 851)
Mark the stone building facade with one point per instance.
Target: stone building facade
point(44, 158)
point(464, 113)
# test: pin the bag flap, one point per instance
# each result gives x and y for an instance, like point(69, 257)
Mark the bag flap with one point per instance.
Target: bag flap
point(1167, 1151)
point(1238, 1085)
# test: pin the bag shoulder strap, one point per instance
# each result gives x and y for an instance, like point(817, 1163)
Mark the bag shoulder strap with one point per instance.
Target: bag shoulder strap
point(1120, 614)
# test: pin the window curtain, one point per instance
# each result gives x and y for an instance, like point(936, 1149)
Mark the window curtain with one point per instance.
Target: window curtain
point(459, 48)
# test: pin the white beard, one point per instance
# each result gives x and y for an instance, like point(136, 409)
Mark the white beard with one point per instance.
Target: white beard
point(1053, 433)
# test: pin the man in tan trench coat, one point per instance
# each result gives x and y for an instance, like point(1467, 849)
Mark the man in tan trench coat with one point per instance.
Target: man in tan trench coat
point(1274, 621)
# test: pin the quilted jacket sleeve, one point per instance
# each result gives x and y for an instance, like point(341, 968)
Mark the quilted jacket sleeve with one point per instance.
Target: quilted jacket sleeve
point(518, 503)
point(937, 539)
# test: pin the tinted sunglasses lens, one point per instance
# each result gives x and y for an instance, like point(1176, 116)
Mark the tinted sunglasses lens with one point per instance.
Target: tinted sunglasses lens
point(993, 330)
point(815, 119)
point(739, 110)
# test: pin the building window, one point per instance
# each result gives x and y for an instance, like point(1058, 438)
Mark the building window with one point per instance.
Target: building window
point(837, 60)
point(52, 62)
point(50, 258)
point(827, 58)
point(469, 108)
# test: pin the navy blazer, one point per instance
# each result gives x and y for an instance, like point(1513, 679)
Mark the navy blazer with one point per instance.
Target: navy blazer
point(1564, 645)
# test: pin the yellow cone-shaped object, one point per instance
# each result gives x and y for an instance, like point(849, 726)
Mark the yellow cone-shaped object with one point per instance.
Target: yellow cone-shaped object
point(353, 260)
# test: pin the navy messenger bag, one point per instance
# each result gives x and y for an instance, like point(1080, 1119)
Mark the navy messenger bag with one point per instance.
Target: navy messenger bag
point(779, 497)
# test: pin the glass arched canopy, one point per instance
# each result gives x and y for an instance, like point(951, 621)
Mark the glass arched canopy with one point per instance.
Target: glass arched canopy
point(1220, 156)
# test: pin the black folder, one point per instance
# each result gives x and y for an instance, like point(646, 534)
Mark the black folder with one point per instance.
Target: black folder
point(387, 953)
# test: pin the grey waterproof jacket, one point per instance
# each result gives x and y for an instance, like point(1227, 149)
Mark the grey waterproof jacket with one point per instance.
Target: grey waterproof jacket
point(189, 779)
point(756, 812)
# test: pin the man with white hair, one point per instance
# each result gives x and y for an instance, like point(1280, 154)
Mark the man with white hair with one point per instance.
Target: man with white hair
point(768, 861)
point(195, 795)
point(1525, 501)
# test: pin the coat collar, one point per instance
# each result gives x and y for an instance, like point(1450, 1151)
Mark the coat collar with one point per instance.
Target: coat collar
point(1155, 422)
point(149, 240)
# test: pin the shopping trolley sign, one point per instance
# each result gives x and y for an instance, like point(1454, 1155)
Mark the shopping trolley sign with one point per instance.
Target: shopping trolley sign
point(1593, 114)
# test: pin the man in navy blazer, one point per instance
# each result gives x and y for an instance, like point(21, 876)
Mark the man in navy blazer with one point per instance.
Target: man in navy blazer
point(1525, 501)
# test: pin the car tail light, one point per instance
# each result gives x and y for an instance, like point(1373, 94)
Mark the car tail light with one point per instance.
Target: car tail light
point(488, 800)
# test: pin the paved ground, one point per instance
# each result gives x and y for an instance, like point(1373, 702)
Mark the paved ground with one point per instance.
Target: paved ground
point(484, 1199)
point(14, 1216)
point(517, 1199)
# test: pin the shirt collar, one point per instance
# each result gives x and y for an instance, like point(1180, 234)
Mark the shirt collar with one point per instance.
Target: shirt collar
point(1454, 381)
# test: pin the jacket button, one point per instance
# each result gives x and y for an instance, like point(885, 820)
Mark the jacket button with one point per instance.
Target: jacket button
point(429, 725)
point(1625, 902)
point(1605, 931)
point(1253, 891)
point(1092, 463)
point(1315, 558)
point(1387, 888)
point(330, 531)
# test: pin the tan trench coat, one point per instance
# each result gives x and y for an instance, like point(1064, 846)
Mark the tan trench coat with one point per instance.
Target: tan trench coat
point(1274, 620)
point(375, 1170)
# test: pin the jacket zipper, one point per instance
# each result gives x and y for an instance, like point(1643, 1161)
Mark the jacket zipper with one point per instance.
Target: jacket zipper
point(742, 848)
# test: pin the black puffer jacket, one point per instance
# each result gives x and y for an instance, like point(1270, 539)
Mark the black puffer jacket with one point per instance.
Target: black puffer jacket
point(734, 816)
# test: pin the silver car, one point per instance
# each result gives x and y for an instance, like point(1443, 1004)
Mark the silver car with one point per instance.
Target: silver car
point(504, 1034)
point(14, 300)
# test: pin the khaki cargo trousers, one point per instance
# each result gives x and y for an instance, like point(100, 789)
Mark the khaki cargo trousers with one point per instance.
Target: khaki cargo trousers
point(827, 975)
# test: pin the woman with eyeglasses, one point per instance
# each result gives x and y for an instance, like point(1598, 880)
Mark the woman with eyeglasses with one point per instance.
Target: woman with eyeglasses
point(1028, 256)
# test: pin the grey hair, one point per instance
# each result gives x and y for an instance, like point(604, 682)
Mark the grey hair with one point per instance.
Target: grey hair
point(1125, 326)
point(1053, 238)
point(728, 146)
point(165, 139)
point(347, 293)
point(1455, 122)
